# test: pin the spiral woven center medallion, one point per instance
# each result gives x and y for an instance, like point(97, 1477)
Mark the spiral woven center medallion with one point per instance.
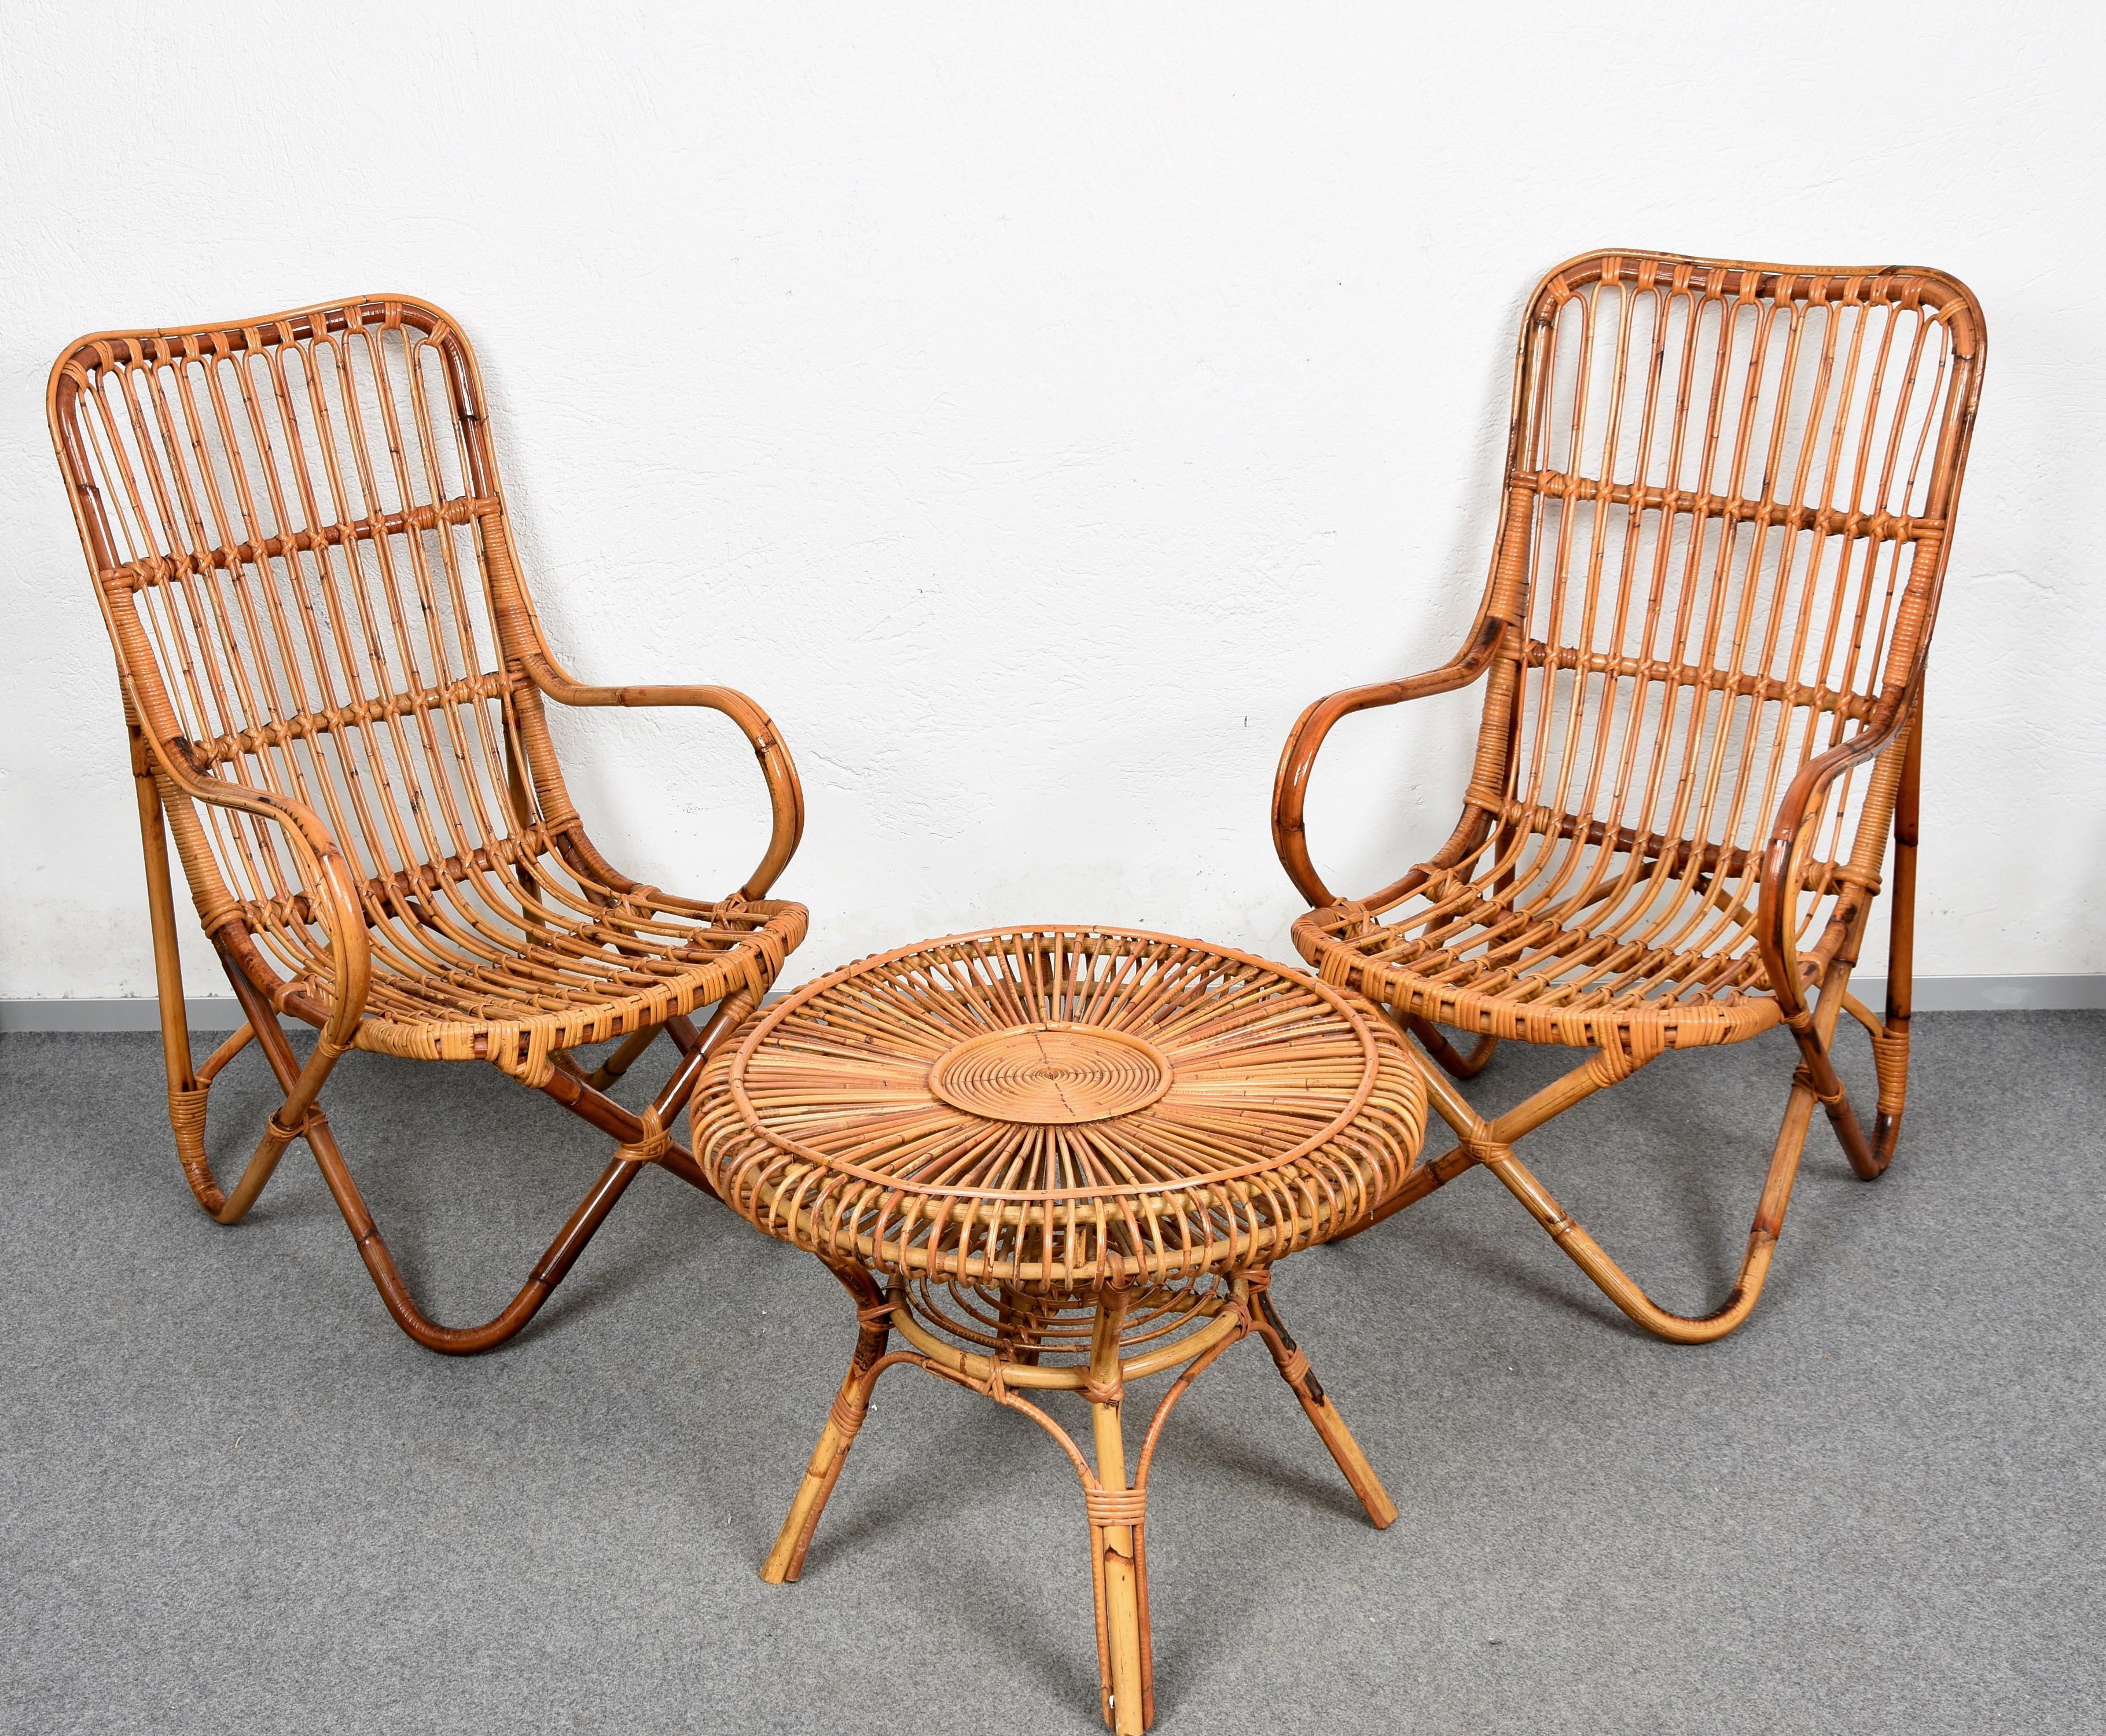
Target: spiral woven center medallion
point(1051, 1075)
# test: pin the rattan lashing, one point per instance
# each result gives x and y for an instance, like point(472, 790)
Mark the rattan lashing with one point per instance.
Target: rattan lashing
point(334, 680)
point(1727, 507)
point(1063, 1159)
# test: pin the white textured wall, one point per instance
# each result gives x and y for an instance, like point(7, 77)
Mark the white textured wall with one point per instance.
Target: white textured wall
point(1034, 407)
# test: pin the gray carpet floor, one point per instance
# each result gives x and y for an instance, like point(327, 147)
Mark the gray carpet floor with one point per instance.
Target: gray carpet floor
point(237, 1499)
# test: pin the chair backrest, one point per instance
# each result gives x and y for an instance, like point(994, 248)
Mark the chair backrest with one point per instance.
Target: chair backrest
point(300, 547)
point(1728, 494)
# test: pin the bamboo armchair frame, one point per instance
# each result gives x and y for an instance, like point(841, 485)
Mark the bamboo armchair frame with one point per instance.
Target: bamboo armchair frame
point(1727, 506)
point(334, 685)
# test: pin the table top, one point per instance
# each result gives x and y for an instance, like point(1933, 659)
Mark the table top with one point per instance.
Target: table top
point(1061, 1109)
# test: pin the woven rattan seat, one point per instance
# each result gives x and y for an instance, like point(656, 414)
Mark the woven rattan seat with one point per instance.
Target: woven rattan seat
point(1546, 964)
point(1728, 500)
point(635, 962)
point(335, 686)
point(1063, 1159)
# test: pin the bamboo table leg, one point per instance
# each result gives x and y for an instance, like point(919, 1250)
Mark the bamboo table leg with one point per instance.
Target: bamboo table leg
point(785, 1561)
point(1124, 1667)
point(1115, 1500)
point(1292, 1362)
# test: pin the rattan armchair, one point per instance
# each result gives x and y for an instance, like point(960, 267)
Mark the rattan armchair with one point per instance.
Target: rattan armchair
point(1728, 500)
point(335, 685)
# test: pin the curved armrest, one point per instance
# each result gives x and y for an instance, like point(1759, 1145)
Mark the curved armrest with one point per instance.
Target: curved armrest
point(785, 795)
point(1783, 857)
point(1290, 784)
point(325, 877)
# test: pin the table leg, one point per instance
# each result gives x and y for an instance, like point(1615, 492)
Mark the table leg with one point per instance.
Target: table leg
point(1116, 1517)
point(1293, 1365)
point(786, 1561)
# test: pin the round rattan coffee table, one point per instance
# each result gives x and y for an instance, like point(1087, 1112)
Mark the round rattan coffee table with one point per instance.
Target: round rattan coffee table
point(1063, 1159)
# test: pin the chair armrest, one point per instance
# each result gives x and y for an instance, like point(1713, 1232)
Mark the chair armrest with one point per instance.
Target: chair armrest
point(1290, 784)
point(785, 795)
point(325, 876)
point(1784, 864)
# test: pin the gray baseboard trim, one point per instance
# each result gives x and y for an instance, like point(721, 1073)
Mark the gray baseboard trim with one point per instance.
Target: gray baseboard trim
point(1991, 994)
point(136, 1013)
point(126, 1013)
point(1933, 995)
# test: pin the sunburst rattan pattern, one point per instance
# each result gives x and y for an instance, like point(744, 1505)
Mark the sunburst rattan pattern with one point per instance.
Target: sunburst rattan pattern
point(1063, 1159)
point(334, 683)
point(1729, 493)
point(1061, 1110)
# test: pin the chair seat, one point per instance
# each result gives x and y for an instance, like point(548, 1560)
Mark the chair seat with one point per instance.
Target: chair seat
point(485, 971)
point(1569, 953)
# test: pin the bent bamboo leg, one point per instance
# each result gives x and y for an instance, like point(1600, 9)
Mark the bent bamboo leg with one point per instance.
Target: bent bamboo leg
point(548, 1271)
point(1621, 1288)
point(1294, 1365)
point(1494, 1141)
point(1491, 1143)
point(1890, 1044)
point(785, 1561)
point(288, 1121)
point(698, 1050)
point(644, 1135)
point(188, 1087)
point(555, 1262)
point(1817, 1070)
point(624, 1058)
point(301, 1085)
point(1452, 1059)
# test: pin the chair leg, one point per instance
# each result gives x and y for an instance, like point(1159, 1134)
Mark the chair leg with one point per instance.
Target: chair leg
point(624, 1058)
point(1620, 1287)
point(1491, 1143)
point(301, 1084)
point(1294, 1365)
point(1890, 1043)
point(785, 1561)
point(1453, 1060)
point(188, 1087)
point(548, 1271)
